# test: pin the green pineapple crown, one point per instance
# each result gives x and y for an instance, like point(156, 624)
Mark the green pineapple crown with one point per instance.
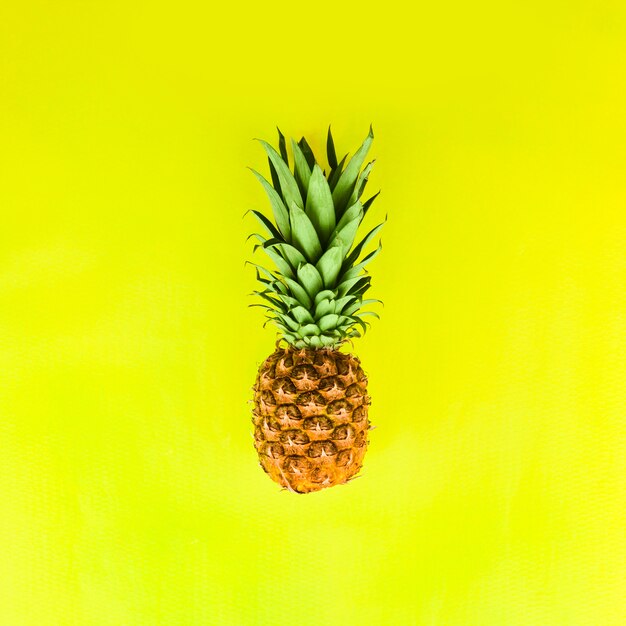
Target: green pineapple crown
point(314, 296)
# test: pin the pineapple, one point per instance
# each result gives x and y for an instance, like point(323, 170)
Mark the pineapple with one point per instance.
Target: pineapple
point(310, 410)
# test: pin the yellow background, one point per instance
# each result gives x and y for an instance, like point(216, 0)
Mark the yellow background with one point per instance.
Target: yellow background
point(494, 490)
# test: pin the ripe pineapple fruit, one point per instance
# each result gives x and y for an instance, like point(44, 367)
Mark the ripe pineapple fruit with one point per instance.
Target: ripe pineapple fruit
point(310, 411)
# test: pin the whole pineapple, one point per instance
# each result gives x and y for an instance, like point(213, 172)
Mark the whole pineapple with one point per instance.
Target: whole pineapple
point(310, 400)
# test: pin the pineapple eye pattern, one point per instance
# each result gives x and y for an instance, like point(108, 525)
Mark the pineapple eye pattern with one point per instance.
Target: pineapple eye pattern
point(314, 442)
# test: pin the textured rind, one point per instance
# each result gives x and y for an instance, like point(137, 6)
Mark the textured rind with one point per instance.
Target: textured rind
point(310, 417)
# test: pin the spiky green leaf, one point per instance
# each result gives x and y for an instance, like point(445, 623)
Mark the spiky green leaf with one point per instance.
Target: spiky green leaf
point(299, 293)
point(351, 286)
point(310, 279)
point(328, 341)
point(327, 294)
point(292, 255)
point(329, 264)
point(368, 203)
point(328, 322)
point(288, 184)
point(315, 341)
point(281, 215)
point(360, 287)
point(282, 147)
point(274, 176)
point(308, 153)
point(289, 301)
point(264, 221)
point(341, 303)
point(276, 305)
point(348, 178)
point(302, 315)
point(356, 270)
point(333, 176)
point(319, 204)
point(302, 171)
point(354, 255)
point(283, 267)
point(359, 187)
point(370, 313)
point(330, 150)
point(345, 235)
point(304, 235)
point(324, 307)
point(308, 329)
point(288, 321)
point(356, 210)
point(267, 273)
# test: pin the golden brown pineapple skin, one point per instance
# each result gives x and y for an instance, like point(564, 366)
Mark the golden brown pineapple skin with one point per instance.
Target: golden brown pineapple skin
point(310, 417)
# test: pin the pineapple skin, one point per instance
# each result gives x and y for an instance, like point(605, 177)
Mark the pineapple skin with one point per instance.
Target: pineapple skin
point(310, 417)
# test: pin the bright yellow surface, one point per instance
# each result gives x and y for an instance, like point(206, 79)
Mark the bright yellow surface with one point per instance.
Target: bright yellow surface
point(494, 490)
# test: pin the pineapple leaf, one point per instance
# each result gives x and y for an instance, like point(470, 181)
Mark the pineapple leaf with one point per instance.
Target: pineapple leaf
point(346, 234)
point(310, 279)
point(302, 171)
point(316, 341)
point(292, 255)
point(276, 322)
point(265, 271)
point(308, 329)
point(361, 286)
point(271, 229)
point(348, 178)
point(368, 203)
point(364, 325)
point(334, 174)
point(274, 176)
point(282, 147)
point(356, 270)
point(341, 303)
point(304, 234)
point(281, 215)
point(324, 307)
point(353, 285)
point(279, 288)
point(353, 308)
point(370, 313)
point(330, 150)
point(355, 210)
point(329, 264)
point(289, 321)
point(302, 315)
point(275, 303)
point(328, 322)
point(372, 301)
point(282, 265)
point(264, 281)
point(308, 153)
point(359, 187)
point(327, 341)
point(288, 184)
point(289, 301)
point(345, 286)
point(324, 295)
point(354, 255)
point(299, 293)
point(319, 204)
